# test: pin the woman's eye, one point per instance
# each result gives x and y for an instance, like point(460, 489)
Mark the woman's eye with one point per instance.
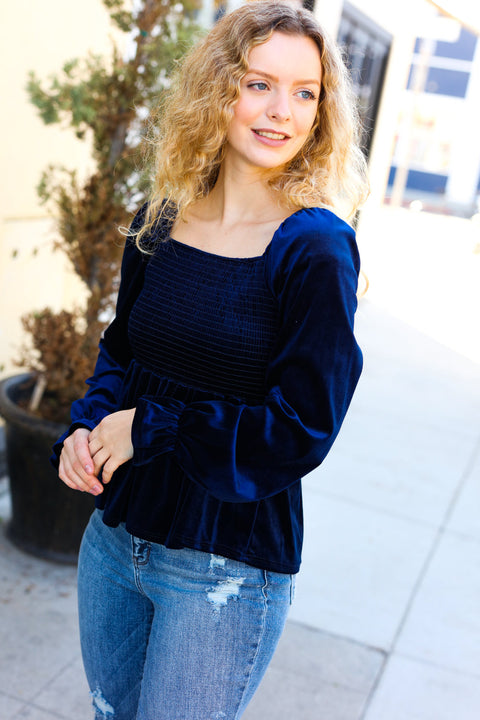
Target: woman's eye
point(306, 95)
point(258, 85)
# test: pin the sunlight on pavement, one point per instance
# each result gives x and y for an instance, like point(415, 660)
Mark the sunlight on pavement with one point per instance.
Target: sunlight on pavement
point(424, 269)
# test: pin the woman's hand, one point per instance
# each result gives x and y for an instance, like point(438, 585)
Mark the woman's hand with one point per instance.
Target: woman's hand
point(76, 467)
point(110, 443)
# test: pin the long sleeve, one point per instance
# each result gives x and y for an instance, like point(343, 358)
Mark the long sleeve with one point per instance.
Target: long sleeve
point(115, 353)
point(241, 452)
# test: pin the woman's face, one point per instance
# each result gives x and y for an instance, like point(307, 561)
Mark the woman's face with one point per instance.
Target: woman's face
point(278, 102)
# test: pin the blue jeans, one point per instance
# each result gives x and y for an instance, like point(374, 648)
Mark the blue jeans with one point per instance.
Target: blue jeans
point(173, 634)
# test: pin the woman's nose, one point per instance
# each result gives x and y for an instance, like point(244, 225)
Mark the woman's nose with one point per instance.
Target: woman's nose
point(279, 108)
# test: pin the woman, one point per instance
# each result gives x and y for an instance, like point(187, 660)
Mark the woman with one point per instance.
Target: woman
point(225, 375)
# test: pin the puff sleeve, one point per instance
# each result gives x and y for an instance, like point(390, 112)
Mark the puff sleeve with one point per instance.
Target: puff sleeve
point(244, 453)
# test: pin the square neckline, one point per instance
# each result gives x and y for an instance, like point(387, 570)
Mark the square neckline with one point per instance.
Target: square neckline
point(246, 258)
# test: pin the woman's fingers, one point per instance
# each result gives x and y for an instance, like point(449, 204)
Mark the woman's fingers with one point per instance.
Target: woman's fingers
point(86, 453)
point(75, 481)
point(64, 473)
point(109, 468)
point(76, 467)
point(81, 451)
point(110, 443)
point(99, 459)
point(94, 444)
point(106, 464)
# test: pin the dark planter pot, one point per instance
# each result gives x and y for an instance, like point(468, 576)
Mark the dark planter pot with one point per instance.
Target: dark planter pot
point(48, 518)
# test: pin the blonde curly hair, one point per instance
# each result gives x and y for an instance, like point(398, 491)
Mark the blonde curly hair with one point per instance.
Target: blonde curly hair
point(329, 170)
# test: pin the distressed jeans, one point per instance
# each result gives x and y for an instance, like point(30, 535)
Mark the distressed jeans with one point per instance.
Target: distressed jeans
point(173, 634)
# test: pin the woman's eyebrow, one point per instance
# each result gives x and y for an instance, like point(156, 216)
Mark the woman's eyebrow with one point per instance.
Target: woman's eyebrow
point(274, 78)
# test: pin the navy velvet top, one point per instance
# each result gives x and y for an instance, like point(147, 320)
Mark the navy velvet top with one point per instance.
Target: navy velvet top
point(241, 371)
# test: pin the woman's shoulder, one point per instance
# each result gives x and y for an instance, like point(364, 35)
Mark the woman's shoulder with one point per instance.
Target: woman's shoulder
point(311, 236)
point(318, 229)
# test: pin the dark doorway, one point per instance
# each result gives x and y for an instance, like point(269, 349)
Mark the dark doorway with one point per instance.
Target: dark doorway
point(366, 47)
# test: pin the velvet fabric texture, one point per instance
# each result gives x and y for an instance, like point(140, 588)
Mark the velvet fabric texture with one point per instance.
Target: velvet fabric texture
point(241, 371)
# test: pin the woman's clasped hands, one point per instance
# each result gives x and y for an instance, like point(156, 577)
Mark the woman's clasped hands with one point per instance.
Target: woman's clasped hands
point(86, 453)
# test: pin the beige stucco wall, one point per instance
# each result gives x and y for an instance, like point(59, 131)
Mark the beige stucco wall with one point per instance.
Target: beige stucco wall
point(39, 36)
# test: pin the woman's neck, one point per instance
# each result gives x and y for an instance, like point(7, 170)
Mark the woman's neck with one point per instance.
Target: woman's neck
point(240, 198)
point(237, 219)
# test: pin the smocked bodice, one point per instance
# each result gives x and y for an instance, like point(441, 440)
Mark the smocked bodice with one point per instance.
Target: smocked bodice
point(205, 320)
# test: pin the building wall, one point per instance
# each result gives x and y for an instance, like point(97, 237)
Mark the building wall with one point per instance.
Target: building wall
point(438, 124)
point(37, 36)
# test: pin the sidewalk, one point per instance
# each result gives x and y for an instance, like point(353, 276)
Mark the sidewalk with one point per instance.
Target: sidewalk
point(386, 623)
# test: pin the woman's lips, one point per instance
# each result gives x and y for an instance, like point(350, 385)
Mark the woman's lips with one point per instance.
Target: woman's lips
point(271, 137)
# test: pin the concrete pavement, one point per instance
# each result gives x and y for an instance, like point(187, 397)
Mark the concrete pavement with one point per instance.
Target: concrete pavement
point(386, 623)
